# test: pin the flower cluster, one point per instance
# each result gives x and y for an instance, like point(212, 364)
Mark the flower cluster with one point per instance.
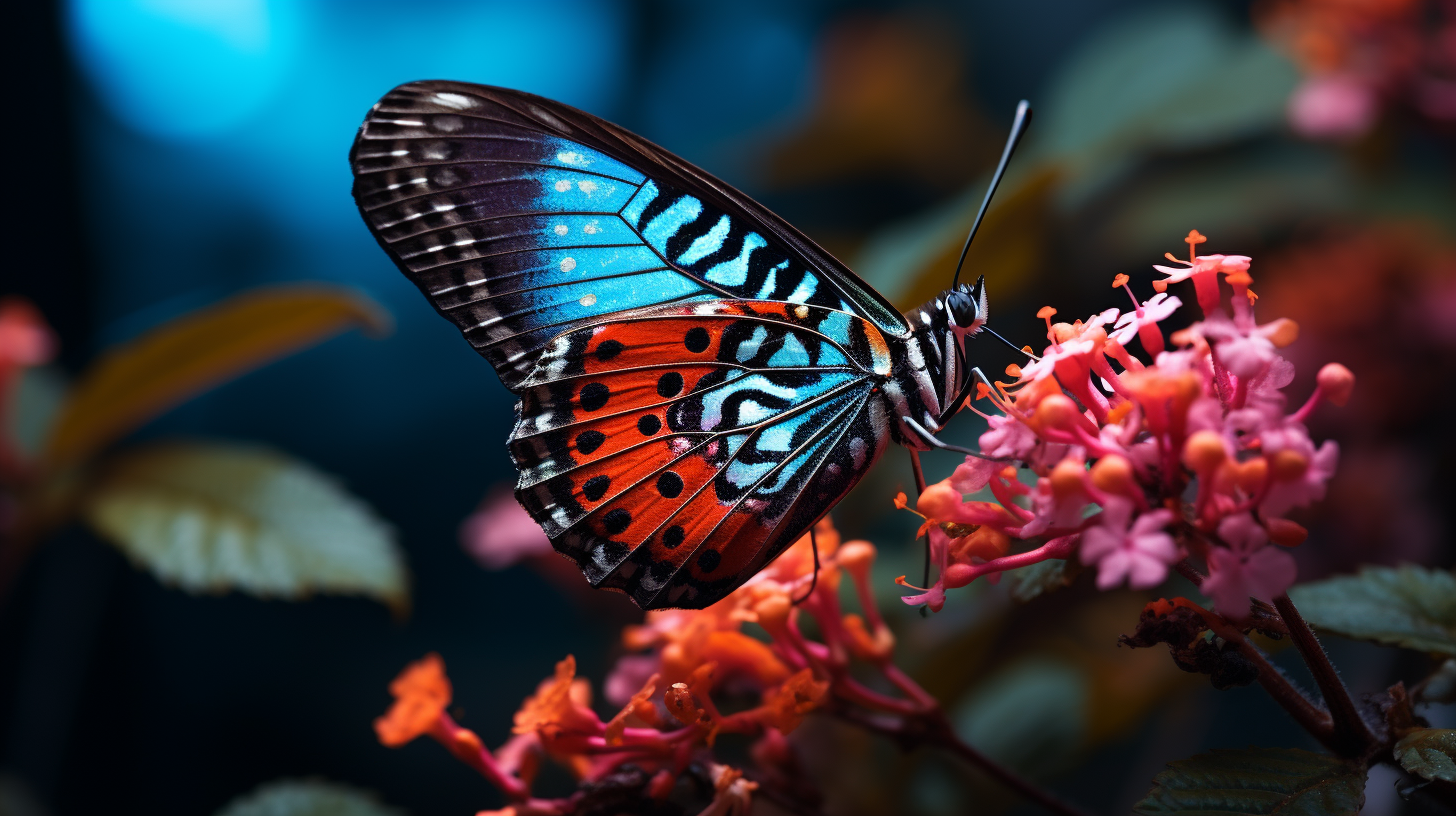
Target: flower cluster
point(1140, 464)
point(690, 677)
point(1360, 55)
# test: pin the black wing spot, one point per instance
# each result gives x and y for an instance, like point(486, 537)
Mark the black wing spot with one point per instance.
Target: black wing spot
point(594, 396)
point(672, 537)
point(609, 349)
point(709, 560)
point(697, 340)
point(649, 424)
point(588, 441)
point(670, 485)
point(669, 384)
point(596, 487)
point(616, 521)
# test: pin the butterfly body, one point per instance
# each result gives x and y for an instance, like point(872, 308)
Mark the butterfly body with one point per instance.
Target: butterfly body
point(698, 382)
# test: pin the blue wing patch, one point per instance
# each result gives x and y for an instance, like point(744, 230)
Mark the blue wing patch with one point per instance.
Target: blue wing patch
point(518, 235)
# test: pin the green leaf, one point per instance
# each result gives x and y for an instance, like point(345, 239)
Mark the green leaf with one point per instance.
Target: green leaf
point(133, 382)
point(307, 798)
point(1028, 582)
point(1125, 91)
point(212, 517)
point(1429, 753)
point(1286, 781)
point(1406, 606)
point(1031, 716)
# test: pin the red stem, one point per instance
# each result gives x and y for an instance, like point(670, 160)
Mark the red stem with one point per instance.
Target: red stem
point(1351, 736)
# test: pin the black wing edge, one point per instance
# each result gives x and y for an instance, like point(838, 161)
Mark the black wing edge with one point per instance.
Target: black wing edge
point(558, 119)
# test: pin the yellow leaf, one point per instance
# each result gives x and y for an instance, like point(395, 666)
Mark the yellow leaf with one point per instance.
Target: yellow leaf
point(134, 382)
point(212, 517)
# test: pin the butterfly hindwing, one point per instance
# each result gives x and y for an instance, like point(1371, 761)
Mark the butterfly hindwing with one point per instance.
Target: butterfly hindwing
point(521, 218)
point(675, 451)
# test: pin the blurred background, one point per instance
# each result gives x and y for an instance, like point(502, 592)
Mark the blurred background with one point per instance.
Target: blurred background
point(170, 154)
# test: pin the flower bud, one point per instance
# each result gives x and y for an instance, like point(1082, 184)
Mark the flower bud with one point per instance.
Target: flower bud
point(1288, 465)
point(1113, 474)
point(1286, 533)
point(1067, 478)
point(986, 542)
point(958, 575)
point(1336, 382)
point(1057, 411)
point(773, 612)
point(856, 557)
point(1252, 475)
point(939, 501)
point(680, 704)
point(1282, 332)
point(1204, 451)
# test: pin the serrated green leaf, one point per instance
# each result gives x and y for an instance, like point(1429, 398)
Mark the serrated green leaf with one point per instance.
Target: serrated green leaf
point(1028, 582)
point(1406, 606)
point(1286, 781)
point(307, 798)
point(212, 517)
point(1429, 753)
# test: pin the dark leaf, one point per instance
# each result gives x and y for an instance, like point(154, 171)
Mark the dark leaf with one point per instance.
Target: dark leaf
point(1286, 781)
point(1406, 606)
point(1429, 753)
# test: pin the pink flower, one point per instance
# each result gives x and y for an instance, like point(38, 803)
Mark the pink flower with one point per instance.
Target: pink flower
point(1008, 437)
point(1303, 489)
point(25, 339)
point(1246, 568)
point(1336, 106)
point(1053, 511)
point(1140, 554)
point(1149, 314)
point(975, 473)
point(501, 533)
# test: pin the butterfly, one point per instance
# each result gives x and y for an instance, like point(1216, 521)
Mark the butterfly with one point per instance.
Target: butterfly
point(698, 382)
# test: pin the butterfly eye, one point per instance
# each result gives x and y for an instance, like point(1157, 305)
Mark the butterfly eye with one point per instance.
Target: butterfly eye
point(963, 311)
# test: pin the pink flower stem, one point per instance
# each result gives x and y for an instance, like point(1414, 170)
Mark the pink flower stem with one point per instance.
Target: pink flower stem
point(1351, 737)
point(867, 601)
point(1302, 415)
point(1241, 392)
point(851, 690)
point(1003, 495)
point(473, 753)
point(1058, 547)
point(911, 689)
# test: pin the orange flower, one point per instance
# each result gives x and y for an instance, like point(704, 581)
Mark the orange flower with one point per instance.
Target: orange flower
point(421, 693)
point(640, 706)
point(560, 705)
point(784, 707)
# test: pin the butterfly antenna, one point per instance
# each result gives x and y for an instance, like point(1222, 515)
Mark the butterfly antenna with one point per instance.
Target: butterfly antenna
point(813, 582)
point(1014, 347)
point(1018, 127)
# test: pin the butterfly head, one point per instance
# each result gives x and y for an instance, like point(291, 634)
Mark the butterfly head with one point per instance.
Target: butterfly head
point(966, 308)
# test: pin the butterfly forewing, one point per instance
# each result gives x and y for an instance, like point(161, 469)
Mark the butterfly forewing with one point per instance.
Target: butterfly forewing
point(586, 265)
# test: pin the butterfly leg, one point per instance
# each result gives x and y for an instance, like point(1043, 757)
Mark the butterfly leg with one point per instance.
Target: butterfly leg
point(919, 490)
point(813, 582)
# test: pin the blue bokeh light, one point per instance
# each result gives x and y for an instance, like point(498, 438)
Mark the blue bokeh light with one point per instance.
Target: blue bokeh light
point(181, 69)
